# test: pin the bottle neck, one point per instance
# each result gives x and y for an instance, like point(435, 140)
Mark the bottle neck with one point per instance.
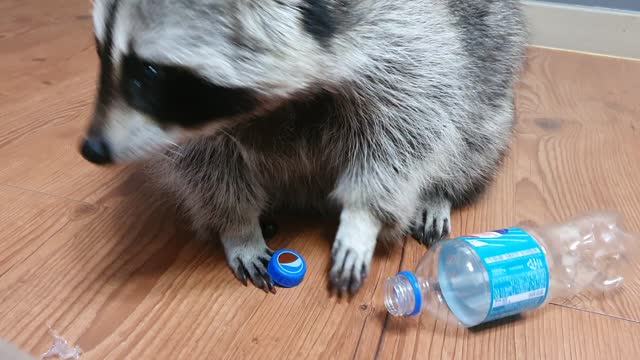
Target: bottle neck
point(403, 295)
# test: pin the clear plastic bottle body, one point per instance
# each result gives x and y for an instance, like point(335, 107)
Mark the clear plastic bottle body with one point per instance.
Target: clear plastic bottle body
point(453, 279)
point(463, 290)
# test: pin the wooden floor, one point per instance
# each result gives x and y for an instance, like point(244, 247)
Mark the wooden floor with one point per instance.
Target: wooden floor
point(91, 253)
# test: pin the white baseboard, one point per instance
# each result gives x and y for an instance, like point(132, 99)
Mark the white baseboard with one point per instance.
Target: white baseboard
point(584, 29)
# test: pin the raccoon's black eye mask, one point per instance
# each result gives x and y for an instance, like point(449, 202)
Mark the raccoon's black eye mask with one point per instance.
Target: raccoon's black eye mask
point(175, 96)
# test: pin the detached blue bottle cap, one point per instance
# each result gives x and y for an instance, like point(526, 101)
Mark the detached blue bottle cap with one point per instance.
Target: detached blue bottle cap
point(287, 268)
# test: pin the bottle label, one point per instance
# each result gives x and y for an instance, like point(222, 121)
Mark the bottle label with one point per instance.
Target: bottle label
point(517, 268)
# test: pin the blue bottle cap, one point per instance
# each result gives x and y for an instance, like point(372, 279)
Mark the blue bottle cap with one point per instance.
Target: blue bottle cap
point(287, 268)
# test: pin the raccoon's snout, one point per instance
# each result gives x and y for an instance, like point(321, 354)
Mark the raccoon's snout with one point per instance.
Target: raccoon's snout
point(96, 150)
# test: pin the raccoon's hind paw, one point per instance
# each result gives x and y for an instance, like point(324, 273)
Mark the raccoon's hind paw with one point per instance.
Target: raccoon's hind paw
point(252, 265)
point(433, 221)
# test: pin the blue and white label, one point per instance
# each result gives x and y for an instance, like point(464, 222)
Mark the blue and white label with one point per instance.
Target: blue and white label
point(290, 262)
point(517, 268)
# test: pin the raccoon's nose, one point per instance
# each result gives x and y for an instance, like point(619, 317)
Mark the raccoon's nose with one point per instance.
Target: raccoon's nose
point(96, 150)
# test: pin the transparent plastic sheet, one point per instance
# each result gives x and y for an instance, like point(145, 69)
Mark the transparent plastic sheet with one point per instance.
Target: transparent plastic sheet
point(61, 349)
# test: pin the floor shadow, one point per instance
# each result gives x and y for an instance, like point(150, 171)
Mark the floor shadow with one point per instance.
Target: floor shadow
point(149, 235)
point(497, 323)
point(146, 227)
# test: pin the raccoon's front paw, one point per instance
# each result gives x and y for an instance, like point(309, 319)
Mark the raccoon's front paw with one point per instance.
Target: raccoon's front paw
point(251, 264)
point(350, 266)
point(433, 222)
point(248, 255)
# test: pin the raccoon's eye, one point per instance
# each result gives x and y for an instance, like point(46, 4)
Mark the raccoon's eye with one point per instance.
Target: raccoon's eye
point(151, 72)
point(175, 95)
point(143, 75)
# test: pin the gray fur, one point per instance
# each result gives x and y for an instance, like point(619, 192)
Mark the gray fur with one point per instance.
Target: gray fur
point(405, 111)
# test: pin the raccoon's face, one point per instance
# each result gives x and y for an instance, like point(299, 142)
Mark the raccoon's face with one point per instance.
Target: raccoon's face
point(170, 69)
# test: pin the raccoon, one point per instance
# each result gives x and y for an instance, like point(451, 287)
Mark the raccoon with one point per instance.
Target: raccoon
point(390, 112)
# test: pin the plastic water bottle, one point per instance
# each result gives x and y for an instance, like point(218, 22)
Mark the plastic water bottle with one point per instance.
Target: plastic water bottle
point(488, 276)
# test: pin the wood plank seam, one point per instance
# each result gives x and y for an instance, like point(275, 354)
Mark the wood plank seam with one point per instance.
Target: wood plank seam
point(597, 313)
point(48, 194)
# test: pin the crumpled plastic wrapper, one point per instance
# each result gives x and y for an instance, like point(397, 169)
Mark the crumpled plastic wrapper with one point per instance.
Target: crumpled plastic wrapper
point(61, 349)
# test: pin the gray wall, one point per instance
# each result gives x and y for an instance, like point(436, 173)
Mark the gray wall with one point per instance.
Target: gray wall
point(633, 5)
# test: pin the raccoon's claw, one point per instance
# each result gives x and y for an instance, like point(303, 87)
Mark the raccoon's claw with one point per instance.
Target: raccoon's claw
point(255, 269)
point(433, 230)
point(349, 270)
point(433, 223)
point(264, 279)
point(241, 273)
